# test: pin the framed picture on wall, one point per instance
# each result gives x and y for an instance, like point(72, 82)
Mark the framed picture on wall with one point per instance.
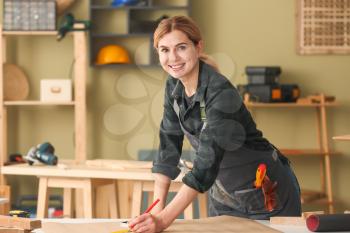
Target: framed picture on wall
point(323, 26)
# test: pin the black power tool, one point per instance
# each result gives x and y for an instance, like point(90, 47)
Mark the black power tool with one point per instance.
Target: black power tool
point(43, 153)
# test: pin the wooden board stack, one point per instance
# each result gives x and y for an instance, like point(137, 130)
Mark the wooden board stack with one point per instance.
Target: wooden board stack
point(10, 224)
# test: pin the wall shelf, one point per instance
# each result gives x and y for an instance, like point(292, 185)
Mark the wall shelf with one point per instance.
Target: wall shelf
point(310, 152)
point(130, 27)
point(126, 66)
point(78, 103)
point(30, 33)
point(103, 7)
point(342, 138)
point(101, 35)
point(36, 103)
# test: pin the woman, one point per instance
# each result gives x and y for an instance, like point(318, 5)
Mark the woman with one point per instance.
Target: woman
point(203, 105)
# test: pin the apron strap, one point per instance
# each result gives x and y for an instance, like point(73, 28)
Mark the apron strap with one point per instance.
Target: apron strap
point(202, 112)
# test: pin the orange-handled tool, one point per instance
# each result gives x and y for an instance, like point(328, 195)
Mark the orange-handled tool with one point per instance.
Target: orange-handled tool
point(260, 175)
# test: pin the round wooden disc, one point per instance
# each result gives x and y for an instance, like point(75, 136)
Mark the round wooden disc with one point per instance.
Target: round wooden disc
point(16, 86)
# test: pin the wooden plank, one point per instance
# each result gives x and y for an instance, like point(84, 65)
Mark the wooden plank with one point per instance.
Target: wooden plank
point(22, 223)
point(80, 76)
point(327, 160)
point(305, 215)
point(81, 171)
point(3, 112)
point(124, 198)
point(13, 230)
point(295, 221)
point(342, 137)
point(113, 201)
point(119, 164)
point(56, 182)
point(106, 201)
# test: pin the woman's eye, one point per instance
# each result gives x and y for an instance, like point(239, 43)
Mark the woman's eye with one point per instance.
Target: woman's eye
point(164, 50)
point(182, 47)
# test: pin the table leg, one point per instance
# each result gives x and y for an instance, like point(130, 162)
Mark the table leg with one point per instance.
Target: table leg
point(67, 202)
point(203, 205)
point(88, 198)
point(136, 199)
point(43, 198)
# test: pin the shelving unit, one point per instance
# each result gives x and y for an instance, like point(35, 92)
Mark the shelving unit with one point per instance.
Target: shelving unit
point(130, 27)
point(325, 194)
point(79, 102)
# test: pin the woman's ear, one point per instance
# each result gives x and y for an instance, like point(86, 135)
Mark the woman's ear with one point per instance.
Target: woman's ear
point(200, 46)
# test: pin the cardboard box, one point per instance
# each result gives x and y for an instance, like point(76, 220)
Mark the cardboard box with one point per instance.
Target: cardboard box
point(52, 90)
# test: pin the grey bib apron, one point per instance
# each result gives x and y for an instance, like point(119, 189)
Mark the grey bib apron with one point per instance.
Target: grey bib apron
point(248, 202)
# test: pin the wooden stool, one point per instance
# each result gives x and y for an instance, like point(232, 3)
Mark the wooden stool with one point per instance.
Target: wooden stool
point(147, 186)
point(87, 185)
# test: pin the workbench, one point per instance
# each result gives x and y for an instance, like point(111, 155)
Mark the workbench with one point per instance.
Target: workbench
point(218, 224)
point(83, 175)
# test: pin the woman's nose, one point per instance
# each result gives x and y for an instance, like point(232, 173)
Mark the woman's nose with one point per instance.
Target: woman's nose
point(173, 56)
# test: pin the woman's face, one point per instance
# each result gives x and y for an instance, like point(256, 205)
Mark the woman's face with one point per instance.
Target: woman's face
point(178, 55)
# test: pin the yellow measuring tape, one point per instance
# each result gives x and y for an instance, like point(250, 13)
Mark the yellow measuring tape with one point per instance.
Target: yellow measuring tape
point(122, 231)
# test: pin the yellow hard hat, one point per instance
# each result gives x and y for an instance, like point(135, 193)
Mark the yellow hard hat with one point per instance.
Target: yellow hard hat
point(112, 54)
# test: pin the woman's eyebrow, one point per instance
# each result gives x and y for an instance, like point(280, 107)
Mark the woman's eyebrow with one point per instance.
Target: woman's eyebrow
point(179, 44)
point(163, 46)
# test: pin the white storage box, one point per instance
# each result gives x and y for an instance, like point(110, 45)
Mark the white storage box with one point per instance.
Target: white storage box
point(52, 90)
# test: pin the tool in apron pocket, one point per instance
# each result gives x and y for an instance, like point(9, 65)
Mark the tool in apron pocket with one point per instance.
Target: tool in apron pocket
point(268, 187)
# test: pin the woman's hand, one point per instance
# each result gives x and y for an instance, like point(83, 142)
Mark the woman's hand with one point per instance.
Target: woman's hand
point(146, 223)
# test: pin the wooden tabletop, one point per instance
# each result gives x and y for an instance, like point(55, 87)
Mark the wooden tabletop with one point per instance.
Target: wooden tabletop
point(96, 169)
point(114, 224)
point(342, 137)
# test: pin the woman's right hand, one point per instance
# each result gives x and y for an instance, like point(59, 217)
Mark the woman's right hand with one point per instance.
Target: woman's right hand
point(146, 223)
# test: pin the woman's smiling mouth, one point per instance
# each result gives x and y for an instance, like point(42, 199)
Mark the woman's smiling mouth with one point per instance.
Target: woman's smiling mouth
point(177, 67)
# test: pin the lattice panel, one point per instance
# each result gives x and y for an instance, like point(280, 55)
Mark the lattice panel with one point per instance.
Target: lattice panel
point(323, 26)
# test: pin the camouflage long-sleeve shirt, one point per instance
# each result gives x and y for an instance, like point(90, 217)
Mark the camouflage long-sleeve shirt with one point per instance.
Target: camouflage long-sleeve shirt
point(230, 129)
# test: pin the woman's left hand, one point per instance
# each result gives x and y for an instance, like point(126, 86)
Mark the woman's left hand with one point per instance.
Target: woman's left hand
point(145, 223)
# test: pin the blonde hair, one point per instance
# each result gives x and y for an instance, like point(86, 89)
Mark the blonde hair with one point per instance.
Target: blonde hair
point(188, 27)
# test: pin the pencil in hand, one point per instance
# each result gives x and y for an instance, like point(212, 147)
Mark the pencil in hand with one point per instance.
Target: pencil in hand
point(149, 208)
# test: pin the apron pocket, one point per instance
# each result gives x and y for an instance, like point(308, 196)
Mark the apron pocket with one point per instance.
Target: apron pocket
point(253, 201)
point(248, 201)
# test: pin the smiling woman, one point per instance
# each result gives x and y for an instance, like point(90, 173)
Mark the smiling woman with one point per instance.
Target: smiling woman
point(204, 106)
